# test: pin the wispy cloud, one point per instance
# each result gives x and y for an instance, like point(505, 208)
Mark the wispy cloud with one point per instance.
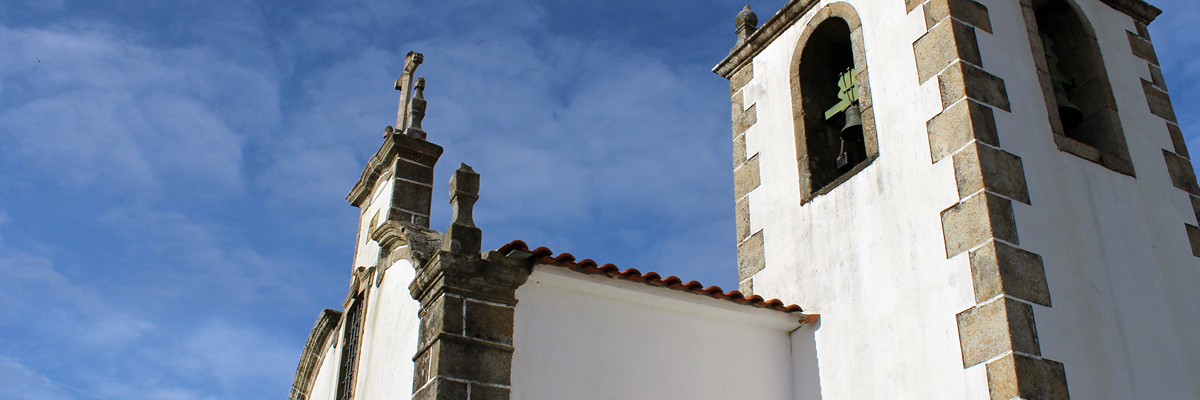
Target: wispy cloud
point(103, 112)
point(19, 383)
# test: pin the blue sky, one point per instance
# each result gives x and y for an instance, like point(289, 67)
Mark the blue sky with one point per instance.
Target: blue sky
point(172, 174)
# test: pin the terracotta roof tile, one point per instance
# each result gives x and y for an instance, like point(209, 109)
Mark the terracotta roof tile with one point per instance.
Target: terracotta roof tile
point(544, 256)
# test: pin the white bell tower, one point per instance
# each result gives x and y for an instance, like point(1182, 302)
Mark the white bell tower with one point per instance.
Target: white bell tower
point(983, 199)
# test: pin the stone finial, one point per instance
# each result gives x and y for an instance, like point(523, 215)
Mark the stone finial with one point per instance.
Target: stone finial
point(747, 23)
point(417, 111)
point(463, 236)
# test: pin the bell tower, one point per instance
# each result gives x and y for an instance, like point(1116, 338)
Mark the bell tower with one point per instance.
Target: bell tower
point(984, 199)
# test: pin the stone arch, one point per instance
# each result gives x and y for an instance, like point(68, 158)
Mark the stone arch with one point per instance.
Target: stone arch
point(832, 41)
point(1071, 69)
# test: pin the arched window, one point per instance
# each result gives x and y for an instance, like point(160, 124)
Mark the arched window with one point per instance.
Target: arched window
point(349, 362)
point(1079, 98)
point(834, 122)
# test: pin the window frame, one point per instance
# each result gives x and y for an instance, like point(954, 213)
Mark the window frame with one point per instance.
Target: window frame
point(847, 13)
point(1120, 160)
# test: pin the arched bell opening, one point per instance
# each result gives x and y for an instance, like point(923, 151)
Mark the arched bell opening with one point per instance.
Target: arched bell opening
point(831, 101)
point(832, 113)
point(1078, 93)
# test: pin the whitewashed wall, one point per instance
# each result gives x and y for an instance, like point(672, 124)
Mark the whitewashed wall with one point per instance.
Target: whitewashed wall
point(325, 382)
point(366, 251)
point(1122, 277)
point(388, 343)
point(590, 337)
point(869, 256)
point(389, 340)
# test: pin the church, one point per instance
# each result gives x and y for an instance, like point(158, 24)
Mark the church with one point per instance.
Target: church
point(935, 199)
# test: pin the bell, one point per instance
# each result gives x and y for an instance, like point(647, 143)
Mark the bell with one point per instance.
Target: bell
point(852, 131)
point(851, 135)
point(1068, 113)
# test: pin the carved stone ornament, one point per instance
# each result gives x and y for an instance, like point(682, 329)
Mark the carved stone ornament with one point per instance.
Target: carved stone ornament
point(403, 240)
point(463, 236)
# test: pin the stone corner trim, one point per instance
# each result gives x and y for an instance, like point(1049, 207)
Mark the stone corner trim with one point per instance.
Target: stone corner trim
point(1020, 376)
point(991, 329)
point(1179, 165)
point(746, 178)
point(999, 269)
point(1183, 177)
point(750, 256)
point(956, 126)
point(1008, 281)
point(976, 220)
point(978, 167)
point(963, 80)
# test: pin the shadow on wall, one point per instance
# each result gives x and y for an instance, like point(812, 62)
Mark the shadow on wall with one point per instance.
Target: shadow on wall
point(806, 377)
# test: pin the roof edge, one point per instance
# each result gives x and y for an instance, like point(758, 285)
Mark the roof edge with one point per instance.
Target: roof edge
point(671, 301)
point(764, 35)
point(1140, 10)
point(542, 255)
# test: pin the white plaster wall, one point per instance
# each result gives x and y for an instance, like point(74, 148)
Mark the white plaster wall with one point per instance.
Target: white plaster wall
point(385, 367)
point(366, 251)
point(325, 382)
point(806, 375)
point(868, 256)
point(589, 337)
point(1121, 274)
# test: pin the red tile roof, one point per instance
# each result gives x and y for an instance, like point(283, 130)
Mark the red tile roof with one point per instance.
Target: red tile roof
point(542, 255)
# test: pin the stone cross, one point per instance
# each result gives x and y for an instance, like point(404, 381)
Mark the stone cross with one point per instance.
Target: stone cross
point(404, 85)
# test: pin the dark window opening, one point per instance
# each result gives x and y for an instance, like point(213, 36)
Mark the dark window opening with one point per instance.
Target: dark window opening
point(831, 115)
point(350, 338)
point(1081, 93)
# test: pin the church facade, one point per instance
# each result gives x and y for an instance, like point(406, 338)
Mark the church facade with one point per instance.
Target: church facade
point(939, 199)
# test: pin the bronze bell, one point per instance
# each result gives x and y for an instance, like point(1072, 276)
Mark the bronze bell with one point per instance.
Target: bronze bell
point(1068, 113)
point(851, 134)
point(853, 128)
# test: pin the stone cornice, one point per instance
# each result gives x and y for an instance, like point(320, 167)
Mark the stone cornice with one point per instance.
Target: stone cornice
point(1141, 11)
point(468, 275)
point(393, 145)
point(763, 36)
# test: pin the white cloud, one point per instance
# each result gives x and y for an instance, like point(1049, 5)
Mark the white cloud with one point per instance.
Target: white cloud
point(116, 351)
point(102, 111)
point(20, 383)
